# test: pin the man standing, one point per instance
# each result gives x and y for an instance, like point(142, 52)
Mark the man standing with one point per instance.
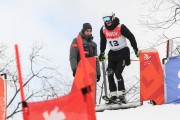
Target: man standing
point(115, 34)
point(90, 49)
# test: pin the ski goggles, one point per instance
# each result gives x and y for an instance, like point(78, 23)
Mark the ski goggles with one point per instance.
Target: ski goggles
point(107, 19)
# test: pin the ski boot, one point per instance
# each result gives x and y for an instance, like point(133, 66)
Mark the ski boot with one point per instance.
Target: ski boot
point(122, 99)
point(112, 100)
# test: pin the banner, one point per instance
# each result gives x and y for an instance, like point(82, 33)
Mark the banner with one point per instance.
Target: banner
point(78, 82)
point(151, 77)
point(172, 80)
point(2, 99)
point(70, 107)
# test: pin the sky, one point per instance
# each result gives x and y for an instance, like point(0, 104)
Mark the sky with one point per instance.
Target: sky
point(55, 23)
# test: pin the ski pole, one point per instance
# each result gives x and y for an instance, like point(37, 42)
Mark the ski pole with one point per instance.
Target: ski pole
point(104, 77)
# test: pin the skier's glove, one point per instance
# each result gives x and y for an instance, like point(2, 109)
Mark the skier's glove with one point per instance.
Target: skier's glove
point(101, 57)
point(74, 73)
point(98, 78)
point(136, 53)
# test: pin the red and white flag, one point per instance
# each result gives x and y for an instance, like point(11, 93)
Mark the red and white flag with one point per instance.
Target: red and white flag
point(78, 105)
point(79, 78)
point(70, 107)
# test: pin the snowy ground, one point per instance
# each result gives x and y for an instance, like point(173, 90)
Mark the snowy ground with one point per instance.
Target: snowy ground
point(145, 112)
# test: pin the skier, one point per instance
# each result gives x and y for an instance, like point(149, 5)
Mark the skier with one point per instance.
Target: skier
point(90, 48)
point(119, 54)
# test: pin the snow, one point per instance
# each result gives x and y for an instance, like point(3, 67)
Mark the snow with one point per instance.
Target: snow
point(144, 112)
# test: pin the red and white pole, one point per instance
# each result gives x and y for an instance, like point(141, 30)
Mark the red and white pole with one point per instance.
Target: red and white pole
point(20, 81)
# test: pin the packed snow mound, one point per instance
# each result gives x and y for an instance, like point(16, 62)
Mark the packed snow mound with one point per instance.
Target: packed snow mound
point(144, 112)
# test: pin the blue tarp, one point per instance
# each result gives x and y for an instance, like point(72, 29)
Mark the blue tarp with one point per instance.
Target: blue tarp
point(172, 80)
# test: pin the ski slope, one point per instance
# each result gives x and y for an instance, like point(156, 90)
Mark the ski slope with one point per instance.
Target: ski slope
point(145, 112)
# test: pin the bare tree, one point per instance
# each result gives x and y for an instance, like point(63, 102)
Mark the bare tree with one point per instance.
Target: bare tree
point(41, 82)
point(163, 16)
point(2, 50)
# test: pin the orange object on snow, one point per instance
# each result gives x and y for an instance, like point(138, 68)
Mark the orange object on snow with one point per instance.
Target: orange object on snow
point(2, 99)
point(79, 83)
point(70, 107)
point(151, 77)
point(86, 71)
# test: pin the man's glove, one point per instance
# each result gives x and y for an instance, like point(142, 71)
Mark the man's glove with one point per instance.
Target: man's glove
point(74, 73)
point(101, 57)
point(136, 53)
point(98, 78)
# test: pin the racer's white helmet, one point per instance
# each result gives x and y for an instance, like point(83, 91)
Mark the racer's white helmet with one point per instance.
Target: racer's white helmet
point(108, 16)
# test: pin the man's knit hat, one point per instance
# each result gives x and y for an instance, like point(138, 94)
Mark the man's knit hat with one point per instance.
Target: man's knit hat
point(87, 26)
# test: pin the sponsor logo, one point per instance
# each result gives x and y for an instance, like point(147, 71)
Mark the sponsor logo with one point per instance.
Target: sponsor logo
point(146, 57)
point(110, 34)
point(179, 78)
point(54, 115)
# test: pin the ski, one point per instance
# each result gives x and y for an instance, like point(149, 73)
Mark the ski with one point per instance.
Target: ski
point(116, 106)
point(107, 99)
